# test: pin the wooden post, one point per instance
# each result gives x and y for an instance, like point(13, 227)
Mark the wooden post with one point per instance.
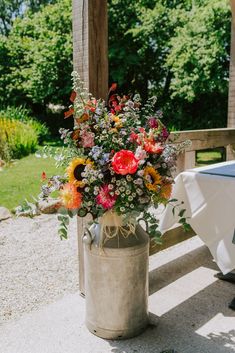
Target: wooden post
point(90, 59)
point(231, 96)
point(90, 44)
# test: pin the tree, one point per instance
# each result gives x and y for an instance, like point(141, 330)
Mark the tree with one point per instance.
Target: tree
point(199, 64)
point(180, 52)
point(176, 49)
point(40, 51)
point(11, 9)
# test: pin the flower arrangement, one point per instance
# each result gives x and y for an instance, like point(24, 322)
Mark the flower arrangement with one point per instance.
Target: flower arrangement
point(118, 158)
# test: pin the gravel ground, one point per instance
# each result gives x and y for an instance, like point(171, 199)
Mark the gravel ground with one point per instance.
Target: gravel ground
point(36, 267)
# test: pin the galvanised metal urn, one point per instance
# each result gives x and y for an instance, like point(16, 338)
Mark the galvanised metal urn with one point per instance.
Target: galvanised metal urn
point(116, 279)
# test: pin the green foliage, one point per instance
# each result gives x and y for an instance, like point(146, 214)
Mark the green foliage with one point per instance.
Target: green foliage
point(175, 49)
point(10, 9)
point(40, 56)
point(180, 52)
point(199, 55)
point(20, 138)
point(22, 114)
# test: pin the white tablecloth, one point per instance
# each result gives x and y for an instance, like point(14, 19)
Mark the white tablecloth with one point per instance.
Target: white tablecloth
point(209, 198)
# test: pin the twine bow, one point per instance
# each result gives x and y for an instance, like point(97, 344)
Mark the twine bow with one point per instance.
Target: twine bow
point(112, 225)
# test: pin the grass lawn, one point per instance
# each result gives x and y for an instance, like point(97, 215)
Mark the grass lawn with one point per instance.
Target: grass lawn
point(208, 157)
point(22, 179)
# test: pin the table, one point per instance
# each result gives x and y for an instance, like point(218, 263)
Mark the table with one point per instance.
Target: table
point(208, 194)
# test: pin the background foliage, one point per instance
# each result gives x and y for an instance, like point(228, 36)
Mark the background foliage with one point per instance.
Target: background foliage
point(17, 139)
point(176, 49)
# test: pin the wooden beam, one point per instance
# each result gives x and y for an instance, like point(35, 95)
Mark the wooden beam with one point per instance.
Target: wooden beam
point(231, 96)
point(90, 44)
point(90, 60)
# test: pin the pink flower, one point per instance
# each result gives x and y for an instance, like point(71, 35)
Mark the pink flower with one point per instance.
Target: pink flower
point(140, 154)
point(87, 138)
point(104, 198)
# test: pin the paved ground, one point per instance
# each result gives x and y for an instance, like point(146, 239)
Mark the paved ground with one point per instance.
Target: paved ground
point(187, 304)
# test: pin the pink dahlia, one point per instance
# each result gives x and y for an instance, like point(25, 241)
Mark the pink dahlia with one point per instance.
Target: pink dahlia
point(104, 198)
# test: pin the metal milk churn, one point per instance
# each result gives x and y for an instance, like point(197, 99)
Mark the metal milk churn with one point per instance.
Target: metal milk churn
point(116, 282)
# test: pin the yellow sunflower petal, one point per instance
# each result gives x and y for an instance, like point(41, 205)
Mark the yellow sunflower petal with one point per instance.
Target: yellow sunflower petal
point(155, 177)
point(73, 174)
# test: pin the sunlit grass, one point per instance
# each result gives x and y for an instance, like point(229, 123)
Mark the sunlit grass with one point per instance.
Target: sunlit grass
point(22, 179)
point(208, 157)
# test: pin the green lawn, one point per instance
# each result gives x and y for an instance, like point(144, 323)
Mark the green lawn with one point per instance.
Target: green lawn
point(208, 157)
point(22, 179)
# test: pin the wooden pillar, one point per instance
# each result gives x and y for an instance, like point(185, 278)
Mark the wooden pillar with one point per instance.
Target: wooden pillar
point(90, 60)
point(90, 44)
point(231, 96)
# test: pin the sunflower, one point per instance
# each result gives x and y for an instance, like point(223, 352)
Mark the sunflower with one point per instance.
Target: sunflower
point(75, 169)
point(152, 178)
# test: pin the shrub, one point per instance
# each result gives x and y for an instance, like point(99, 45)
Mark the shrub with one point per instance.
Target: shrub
point(22, 114)
point(17, 139)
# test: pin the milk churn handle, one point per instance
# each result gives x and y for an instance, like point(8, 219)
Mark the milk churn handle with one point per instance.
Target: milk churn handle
point(87, 237)
point(146, 224)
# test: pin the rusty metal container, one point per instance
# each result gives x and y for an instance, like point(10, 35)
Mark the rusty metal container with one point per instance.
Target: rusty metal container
point(116, 283)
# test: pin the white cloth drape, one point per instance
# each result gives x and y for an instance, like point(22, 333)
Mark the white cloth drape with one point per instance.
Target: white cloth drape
point(209, 198)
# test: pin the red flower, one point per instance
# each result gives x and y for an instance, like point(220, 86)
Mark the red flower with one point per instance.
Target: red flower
point(133, 136)
point(124, 162)
point(104, 198)
point(113, 87)
point(43, 176)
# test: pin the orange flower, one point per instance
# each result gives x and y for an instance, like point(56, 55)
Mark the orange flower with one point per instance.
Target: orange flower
point(75, 135)
point(166, 190)
point(70, 197)
point(152, 147)
point(82, 118)
point(124, 162)
point(117, 121)
point(69, 113)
